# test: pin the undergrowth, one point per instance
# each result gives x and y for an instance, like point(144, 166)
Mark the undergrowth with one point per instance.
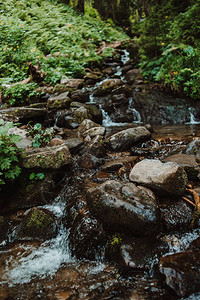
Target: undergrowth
point(52, 33)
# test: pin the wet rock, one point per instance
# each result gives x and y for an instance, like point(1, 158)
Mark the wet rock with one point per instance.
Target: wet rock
point(119, 100)
point(124, 207)
point(95, 147)
point(95, 111)
point(38, 224)
point(118, 163)
point(47, 158)
point(107, 86)
point(25, 140)
point(126, 138)
point(164, 178)
point(88, 161)
point(177, 216)
point(75, 83)
point(86, 125)
point(86, 235)
point(109, 71)
point(132, 74)
point(28, 194)
point(59, 102)
point(92, 78)
point(56, 142)
point(194, 148)
point(80, 114)
point(140, 253)
point(92, 132)
point(74, 144)
point(23, 114)
point(187, 162)
point(182, 272)
point(80, 96)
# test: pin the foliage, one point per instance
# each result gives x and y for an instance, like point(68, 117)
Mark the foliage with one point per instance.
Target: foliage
point(41, 137)
point(36, 176)
point(19, 93)
point(53, 34)
point(170, 46)
point(9, 153)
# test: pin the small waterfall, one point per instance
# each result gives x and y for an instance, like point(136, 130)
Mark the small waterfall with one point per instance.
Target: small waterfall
point(43, 260)
point(136, 114)
point(192, 117)
point(107, 121)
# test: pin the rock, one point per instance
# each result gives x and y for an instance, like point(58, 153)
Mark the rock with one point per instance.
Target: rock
point(59, 102)
point(80, 96)
point(47, 158)
point(194, 148)
point(124, 139)
point(74, 144)
point(74, 83)
point(107, 86)
point(25, 141)
point(92, 132)
point(95, 147)
point(182, 272)
point(56, 142)
point(114, 165)
point(86, 235)
point(38, 224)
point(80, 114)
point(86, 125)
point(124, 207)
point(95, 111)
point(187, 162)
point(88, 161)
point(141, 253)
point(177, 216)
point(132, 74)
point(23, 114)
point(164, 178)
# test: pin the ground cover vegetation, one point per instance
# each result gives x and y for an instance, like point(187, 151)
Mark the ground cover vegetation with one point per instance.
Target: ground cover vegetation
point(62, 40)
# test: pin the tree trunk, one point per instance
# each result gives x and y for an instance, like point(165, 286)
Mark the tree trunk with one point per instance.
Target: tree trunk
point(80, 6)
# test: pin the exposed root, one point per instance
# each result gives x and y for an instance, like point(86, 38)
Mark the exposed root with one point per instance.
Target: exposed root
point(196, 205)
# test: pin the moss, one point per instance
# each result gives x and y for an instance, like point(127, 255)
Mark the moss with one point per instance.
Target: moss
point(39, 219)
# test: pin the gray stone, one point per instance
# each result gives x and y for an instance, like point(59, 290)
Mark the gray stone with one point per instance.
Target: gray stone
point(127, 138)
point(164, 178)
point(124, 207)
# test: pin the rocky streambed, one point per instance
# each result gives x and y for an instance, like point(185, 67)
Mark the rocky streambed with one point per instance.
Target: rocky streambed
point(115, 213)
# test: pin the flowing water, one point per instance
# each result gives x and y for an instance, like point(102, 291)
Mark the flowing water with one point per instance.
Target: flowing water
point(47, 270)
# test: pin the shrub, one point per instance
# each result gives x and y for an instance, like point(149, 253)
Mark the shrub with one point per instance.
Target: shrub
point(9, 153)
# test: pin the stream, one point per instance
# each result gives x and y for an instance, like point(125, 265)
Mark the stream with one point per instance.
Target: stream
point(49, 269)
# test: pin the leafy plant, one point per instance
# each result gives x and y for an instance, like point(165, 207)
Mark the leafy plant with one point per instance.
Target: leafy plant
point(41, 137)
point(36, 176)
point(19, 94)
point(9, 153)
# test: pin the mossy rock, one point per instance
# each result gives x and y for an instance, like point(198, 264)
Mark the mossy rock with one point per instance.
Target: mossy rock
point(38, 224)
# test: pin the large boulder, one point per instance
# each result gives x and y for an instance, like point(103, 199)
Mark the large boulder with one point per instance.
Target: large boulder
point(164, 178)
point(47, 158)
point(127, 138)
point(182, 272)
point(124, 207)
